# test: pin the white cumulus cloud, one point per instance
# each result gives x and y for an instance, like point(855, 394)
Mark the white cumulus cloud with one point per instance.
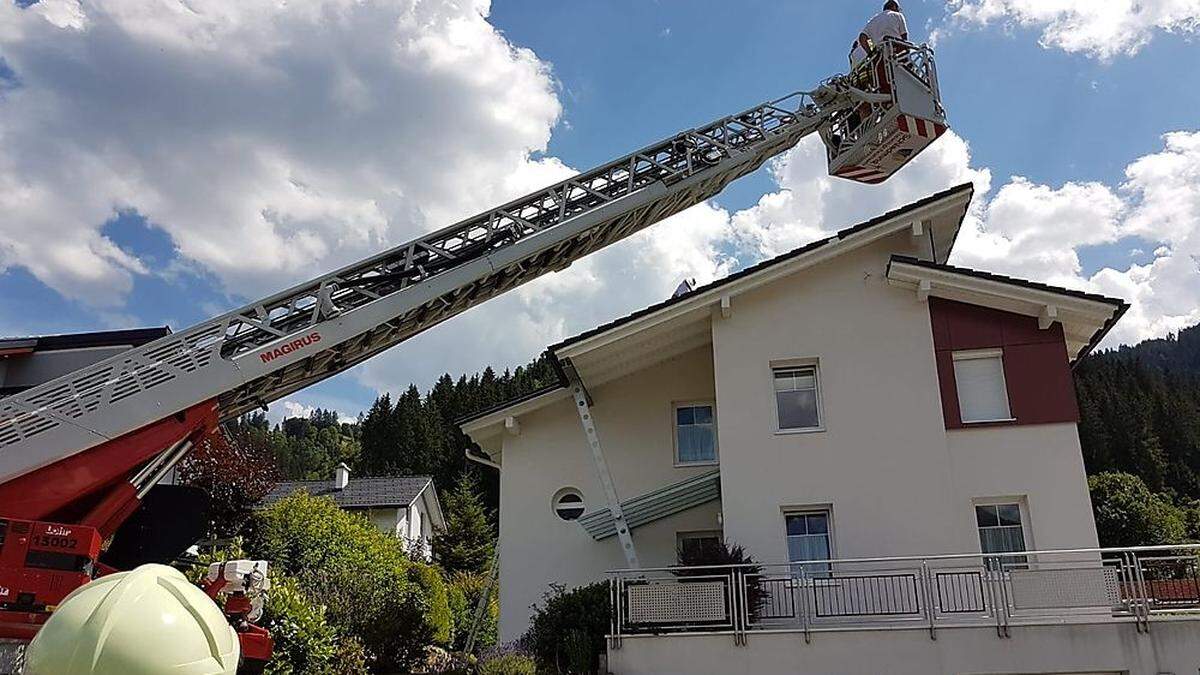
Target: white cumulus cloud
point(270, 140)
point(1098, 28)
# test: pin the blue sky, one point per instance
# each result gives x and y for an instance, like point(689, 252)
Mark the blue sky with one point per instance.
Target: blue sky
point(157, 244)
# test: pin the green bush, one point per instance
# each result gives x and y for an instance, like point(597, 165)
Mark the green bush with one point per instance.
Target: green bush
point(567, 634)
point(463, 593)
point(305, 642)
point(361, 575)
point(508, 664)
point(439, 617)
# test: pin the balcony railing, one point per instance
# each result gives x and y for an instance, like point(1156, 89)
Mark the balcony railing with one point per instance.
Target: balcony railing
point(1136, 585)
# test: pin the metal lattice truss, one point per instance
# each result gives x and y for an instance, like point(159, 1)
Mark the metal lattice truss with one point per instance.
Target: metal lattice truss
point(270, 348)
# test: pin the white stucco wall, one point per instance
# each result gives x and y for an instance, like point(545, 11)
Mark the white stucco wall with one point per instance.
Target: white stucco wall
point(897, 481)
point(634, 420)
point(1090, 649)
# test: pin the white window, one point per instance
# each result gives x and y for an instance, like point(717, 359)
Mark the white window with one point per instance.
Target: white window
point(808, 539)
point(1001, 530)
point(982, 393)
point(692, 545)
point(695, 433)
point(797, 401)
point(568, 504)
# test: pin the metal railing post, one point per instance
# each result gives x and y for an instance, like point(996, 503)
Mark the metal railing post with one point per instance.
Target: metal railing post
point(927, 587)
point(1130, 594)
point(994, 597)
point(803, 607)
point(1144, 590)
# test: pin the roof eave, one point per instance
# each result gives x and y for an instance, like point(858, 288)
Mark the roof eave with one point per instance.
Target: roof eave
point(773, 269)
point(1075, 310)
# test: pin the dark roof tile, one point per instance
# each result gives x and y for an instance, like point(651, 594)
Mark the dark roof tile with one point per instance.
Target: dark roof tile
point(359, 493)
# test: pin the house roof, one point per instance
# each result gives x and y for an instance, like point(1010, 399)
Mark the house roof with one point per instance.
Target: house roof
point(134, 337)
point(1086, 317)
point(359, 493)
point(963, 189)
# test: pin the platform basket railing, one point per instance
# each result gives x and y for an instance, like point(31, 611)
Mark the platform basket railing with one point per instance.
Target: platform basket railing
point(999, 590)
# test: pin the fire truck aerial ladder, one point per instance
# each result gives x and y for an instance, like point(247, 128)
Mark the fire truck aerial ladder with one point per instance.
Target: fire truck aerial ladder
point(78, 453)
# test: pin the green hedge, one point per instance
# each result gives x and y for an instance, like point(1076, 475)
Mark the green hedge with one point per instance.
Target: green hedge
point(362, 576)
point(567, 632)
point(463, 592)
point(508, 664)
point(305, 642)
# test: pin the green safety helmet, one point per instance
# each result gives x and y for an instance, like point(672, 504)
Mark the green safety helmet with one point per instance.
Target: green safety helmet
point(150, 621)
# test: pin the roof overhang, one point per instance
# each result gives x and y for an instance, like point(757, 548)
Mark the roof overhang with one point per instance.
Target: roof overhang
point(1085, 317)
point(488, 429)
point(677, 326)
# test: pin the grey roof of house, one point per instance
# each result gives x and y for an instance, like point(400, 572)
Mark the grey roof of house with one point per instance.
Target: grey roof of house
point(133, 337)
point(359, 493)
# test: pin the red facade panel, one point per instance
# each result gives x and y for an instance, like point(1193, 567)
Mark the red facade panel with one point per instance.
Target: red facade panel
point(1037, 370)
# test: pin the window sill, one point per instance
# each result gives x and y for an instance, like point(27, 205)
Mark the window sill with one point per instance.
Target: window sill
point(789, 432)
point(688, 465)
point(986, 423)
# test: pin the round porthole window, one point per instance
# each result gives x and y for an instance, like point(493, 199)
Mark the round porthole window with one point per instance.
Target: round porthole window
point(568, 504)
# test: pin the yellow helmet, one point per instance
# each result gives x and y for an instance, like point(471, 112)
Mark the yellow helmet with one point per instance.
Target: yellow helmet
point(149, 621)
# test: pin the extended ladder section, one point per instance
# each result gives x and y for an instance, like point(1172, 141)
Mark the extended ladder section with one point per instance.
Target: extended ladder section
point(283, 343)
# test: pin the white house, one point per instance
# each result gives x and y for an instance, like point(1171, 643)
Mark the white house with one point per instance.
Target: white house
point(861, 407)
point(406, 506)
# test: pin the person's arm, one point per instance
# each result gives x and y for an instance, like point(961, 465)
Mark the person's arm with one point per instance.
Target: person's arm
point(902, 27)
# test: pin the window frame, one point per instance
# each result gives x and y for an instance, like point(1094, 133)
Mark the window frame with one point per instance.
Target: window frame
point(1012, 561)
point(810, 510)
point(562, 492)
point(696, 534)
point(797, 364)
point(980, 354)
point(675, 406)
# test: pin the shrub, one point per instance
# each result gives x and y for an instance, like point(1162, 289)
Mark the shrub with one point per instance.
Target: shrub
point(463, 593)
point(508, 664)
point(305, 642)
point(360, 574)
point(439, 617)
point(567, 634)
point(724, 553)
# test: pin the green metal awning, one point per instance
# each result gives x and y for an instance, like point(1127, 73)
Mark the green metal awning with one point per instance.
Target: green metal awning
point(660, 503)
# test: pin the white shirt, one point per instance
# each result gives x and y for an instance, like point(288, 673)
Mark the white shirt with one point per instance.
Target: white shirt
point(884, 24)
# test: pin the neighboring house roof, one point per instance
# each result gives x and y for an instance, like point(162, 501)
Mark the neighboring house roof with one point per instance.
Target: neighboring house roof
point(359, 493)
point(134, 337)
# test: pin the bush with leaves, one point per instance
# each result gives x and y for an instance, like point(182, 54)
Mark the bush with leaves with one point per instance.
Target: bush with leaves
point(359, 573)
point(439, 616)
point(566, 633)
point(305, 642)
point(464, 592)
point(237, 469)
point(724, 558)
point(509, 664)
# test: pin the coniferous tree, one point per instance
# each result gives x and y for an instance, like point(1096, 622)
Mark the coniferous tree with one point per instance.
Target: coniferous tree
point(467, 542)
